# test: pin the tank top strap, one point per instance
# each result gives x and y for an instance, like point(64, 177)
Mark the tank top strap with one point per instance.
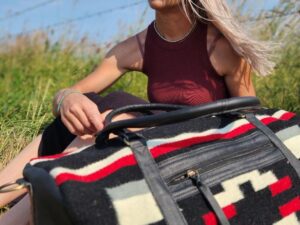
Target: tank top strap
point(214, 42)
point(140, 45)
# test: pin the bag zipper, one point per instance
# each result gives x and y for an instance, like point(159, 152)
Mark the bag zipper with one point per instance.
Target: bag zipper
point(180, 177)
point(188, 160)
point(182, 186)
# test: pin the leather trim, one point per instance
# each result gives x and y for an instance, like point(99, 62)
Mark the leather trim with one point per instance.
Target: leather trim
point(158, 187)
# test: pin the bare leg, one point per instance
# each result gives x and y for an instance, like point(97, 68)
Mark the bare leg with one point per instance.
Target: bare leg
point(13, 170)
point(18, 215)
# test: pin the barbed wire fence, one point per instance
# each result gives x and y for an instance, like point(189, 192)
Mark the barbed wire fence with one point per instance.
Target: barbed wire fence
point(271, 15)
point(72, 20)
point(29, 9)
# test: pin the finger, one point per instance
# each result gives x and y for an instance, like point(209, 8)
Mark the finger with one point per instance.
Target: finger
point(81, 116)
point(79, 128)
point(95, 117)
point(68, 124)
point(87, 137)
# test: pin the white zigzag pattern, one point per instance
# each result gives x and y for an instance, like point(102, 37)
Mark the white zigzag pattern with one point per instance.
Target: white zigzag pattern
point(232, 192)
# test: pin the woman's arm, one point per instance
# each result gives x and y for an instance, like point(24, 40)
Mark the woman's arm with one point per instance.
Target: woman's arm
point(236, 71)
point(120, 59)
point(79, 114)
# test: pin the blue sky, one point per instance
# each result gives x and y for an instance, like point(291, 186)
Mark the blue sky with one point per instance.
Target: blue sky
point(100, 28)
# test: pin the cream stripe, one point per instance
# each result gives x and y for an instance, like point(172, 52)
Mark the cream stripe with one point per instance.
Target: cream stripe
point(156, 142)
point(279, 113)
point(94, 166)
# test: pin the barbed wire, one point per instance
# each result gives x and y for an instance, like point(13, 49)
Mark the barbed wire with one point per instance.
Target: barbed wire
point(80, 18)
point(31, 8)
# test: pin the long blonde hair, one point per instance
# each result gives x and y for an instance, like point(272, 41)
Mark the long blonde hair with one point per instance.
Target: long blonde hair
point(256, 53)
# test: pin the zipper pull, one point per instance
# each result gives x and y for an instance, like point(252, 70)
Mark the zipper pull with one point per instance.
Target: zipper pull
point(208, 195)
point(194, 176)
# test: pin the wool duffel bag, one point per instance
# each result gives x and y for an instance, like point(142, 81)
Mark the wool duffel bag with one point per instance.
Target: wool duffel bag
point(227, 162)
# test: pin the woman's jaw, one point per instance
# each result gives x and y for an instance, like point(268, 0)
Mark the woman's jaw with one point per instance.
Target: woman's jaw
point(163, 4)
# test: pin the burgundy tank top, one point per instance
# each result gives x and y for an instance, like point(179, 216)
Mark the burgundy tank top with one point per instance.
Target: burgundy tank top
point(181, 72)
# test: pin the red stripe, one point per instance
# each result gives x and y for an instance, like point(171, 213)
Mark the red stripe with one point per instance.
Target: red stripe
point(280, 186)
point(287, 116)
point(98, 175)
point(290, 207)
point(161, 150)
point(211, 219)
point(55, 156)
point(170, 147)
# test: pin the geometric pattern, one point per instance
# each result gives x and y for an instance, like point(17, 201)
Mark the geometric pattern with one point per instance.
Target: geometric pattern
point(134, 204)
point(232, 192)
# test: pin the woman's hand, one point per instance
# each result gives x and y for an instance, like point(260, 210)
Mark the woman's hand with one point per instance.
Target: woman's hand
point(80, 115)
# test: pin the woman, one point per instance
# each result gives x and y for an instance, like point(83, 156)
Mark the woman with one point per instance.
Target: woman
point(194, 52)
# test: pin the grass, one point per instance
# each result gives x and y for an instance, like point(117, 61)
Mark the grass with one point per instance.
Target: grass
point(31, 71)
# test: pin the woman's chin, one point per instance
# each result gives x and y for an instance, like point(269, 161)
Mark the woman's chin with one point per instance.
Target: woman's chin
point(162, 4)
point(157, 4)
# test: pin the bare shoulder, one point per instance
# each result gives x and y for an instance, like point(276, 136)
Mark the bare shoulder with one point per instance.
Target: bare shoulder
point(223, 57)
point(128, 53)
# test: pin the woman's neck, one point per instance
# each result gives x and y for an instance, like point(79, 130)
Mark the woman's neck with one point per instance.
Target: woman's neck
point(172, 24)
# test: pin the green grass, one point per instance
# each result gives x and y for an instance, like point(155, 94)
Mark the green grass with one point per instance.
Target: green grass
point(31, 71)
point(282, 88)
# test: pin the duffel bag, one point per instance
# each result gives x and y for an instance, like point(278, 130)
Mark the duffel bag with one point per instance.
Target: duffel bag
point(227, 162)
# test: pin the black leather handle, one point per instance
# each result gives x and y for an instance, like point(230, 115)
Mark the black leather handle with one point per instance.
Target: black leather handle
point(186, 113)
point(142, 108)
